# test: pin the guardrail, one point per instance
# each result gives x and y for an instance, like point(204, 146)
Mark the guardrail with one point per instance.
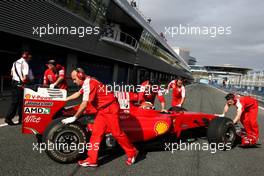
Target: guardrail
point(120, 38)
point(259, 97)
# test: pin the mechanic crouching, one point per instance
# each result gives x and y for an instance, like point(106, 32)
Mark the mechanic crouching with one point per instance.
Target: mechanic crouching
point(107, 117)
point(247, 113)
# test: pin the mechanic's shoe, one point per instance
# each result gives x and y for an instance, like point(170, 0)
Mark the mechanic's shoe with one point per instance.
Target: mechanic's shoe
point(132, 160)
point(87, 163)
point(10, 122)
point(248, 142)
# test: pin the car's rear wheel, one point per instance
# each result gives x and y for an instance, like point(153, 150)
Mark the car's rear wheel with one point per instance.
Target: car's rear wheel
point(221, 132)
point(65, 143)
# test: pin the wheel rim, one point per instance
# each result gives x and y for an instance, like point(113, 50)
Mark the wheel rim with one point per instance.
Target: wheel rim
point(66, 139)
point(229, 135)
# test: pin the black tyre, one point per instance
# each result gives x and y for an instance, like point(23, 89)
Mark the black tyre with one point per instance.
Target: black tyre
point(221, 132)
point(67, 141)
point(177, 109)
point(39, 138)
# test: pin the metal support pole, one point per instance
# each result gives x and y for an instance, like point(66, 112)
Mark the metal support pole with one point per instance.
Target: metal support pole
point(2, 88)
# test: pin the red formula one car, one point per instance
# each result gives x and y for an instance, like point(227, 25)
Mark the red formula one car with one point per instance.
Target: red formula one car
point(44, 110)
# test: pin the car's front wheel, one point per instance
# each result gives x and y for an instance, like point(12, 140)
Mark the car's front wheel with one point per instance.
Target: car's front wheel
point(65, 143)
point(222, 133)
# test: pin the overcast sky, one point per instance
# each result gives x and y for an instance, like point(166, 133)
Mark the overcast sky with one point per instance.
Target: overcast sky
point(244, 47)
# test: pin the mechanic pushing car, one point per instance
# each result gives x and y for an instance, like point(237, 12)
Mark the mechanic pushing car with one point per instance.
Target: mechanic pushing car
point(54, 76)
point(178, 92)
point(148, 92)
point(95, 93)
point(247, 113)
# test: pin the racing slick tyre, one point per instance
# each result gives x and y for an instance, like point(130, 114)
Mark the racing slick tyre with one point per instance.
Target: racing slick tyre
point(177, 109)
point(221, 132)
point(65, 143)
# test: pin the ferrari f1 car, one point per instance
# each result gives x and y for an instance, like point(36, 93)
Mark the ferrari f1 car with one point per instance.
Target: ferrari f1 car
point(45, 108)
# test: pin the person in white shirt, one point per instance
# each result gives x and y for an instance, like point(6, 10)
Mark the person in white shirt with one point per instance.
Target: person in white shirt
point(20, 76)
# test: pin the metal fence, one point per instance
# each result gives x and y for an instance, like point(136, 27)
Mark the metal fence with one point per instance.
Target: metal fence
point(120, 37)
point(259, 95)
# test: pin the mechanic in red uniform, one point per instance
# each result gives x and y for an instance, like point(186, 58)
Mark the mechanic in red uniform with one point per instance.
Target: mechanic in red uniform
point(148, 92)
point(178, 92)
point(107, 116)
point(54, 76)
point(247, 113)
point(171, 85)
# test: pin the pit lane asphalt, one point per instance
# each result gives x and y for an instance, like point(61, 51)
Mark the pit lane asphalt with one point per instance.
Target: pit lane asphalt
point(17, 157)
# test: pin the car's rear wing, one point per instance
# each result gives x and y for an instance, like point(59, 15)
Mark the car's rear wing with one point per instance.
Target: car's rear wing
point(40, 107)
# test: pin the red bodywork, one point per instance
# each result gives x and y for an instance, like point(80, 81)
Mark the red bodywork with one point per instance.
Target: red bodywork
point(139, 124)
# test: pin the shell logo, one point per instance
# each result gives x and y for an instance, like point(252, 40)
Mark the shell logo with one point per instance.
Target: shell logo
point(27, 96)
point(161, 127)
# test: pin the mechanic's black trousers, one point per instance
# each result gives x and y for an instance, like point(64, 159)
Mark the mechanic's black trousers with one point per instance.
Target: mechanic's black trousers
point(16, 102)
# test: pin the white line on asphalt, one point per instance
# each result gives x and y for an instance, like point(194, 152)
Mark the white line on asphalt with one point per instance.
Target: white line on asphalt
point(5, 124)
point(261, 108)
point(218, 89)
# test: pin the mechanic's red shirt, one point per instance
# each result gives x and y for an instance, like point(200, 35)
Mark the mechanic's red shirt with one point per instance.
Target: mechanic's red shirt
point(133, 96)
point(178, 93)
point(96, 93)
point(51, 77)
point(245, 103)
point(172, 84)
point(149, 94)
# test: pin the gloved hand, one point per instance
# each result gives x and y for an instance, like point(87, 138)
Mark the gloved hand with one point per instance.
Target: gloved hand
point(69, 120)
point(52, 86)
point(220, 115)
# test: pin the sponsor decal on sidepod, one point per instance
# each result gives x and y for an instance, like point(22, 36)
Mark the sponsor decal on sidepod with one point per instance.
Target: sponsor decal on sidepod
point(34, 110)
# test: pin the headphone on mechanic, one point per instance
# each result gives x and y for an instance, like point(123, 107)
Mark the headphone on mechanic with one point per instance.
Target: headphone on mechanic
point(80, 74)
